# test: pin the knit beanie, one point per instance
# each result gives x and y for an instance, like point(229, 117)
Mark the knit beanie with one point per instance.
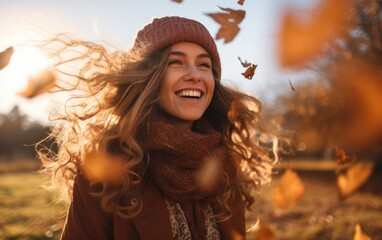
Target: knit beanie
point(162, 32)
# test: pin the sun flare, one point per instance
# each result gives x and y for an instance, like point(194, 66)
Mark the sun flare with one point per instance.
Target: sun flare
point(26, 61)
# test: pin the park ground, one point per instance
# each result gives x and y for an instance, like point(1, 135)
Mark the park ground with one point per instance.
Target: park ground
point(27, 211)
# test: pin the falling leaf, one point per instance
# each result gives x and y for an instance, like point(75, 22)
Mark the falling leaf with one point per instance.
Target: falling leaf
point(341, 156)
point(359, 235)
point(177, 1)
point(250, 71)
point(233, 113)
point(291, 86)
point(288, 191)
point(245, 63)
point(358, 81)
point(354, 177)
point(303, 39)
point(39, 83)
point(265, 233)
point(229, 21)
point(241, 2)
point(99, 166)
point(5, 57)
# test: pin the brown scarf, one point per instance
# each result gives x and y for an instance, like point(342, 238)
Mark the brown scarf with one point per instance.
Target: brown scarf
point(179, 159)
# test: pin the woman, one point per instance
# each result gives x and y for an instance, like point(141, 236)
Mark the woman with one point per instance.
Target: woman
point(153, 145)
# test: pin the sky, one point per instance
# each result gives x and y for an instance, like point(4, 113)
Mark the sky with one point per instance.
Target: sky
point(117, 22)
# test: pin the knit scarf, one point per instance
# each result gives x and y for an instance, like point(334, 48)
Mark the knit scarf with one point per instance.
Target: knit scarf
point(186, 164)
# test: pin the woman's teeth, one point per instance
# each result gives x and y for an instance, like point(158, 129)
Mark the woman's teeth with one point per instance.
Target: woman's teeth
point(190, 93)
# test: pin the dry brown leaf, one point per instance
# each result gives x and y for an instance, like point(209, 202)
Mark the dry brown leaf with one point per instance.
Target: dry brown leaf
point(229, 21)
point(288, 191)
point(39, 83)
point(233, 113)
point(341, 157)
point(241, 2)
point(248, 74)
point(177, 1)
point(303, 39)
point(264, 233)
point(245, 63)
point(354, 177)
point(359, 235)
point(359, 81)
point(5, 57)
point(291, 86)
point(99, 166)
point(250, 71)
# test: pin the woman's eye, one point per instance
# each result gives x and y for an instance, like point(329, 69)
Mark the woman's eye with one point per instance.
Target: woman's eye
point(175, 62)
point(205, 65)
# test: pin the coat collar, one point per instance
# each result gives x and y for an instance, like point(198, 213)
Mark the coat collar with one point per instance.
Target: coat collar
point(153, 221)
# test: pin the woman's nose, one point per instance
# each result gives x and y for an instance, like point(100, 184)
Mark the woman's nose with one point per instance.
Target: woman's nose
point(192, 74)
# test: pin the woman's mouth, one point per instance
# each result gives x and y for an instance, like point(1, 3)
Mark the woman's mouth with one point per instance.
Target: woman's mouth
point(194, 94)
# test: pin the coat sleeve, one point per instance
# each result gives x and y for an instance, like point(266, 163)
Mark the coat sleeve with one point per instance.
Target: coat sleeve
point(85, 219)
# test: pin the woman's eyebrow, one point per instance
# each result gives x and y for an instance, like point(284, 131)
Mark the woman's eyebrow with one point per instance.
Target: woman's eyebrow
point(179, 53)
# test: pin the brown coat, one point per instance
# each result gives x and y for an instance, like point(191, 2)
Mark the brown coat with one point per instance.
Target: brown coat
point(86, 219)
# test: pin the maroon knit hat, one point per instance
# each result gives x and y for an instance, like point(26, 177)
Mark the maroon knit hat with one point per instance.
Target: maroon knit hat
point(162, 32)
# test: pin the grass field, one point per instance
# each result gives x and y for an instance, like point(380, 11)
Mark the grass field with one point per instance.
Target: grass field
point(27, 212)
point(26, 209)
point(320, 214)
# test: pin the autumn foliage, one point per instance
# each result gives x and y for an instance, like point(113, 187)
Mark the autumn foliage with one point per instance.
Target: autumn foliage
point(229, 21)
point(340, 111)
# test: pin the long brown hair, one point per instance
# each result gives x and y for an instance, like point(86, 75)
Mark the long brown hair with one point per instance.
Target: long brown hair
point(112, 98)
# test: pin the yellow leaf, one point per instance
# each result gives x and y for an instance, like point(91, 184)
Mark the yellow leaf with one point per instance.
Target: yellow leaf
point(359, 235)
point(5, 57)
point(288, 191)
point(353, 178)
point(42, 82)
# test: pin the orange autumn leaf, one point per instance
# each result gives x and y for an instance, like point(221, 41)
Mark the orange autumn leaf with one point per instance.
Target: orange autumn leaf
point(39, 83)
point(229, 21)
point(5, 57)
point(300, 39)
point(264, 233)
point(233, 113)
point(354, 177)
point(359, 235)
point(288, 191)
point(341, 157)
point(241, 2)
point(177, 1)
point(250, 71)
point(248, 74)
point(362, 88)
point(99, 166)
point(245, 63)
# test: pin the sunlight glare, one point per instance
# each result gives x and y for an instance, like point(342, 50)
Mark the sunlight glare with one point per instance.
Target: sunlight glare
point(26, 61)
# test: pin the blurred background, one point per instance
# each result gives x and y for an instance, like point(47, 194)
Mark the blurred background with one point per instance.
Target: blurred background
point(318, 76)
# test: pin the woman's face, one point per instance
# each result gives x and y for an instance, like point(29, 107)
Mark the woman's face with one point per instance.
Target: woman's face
point(188, 84)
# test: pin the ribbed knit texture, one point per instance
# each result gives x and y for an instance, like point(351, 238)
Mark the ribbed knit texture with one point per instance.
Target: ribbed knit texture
point(162, 32)
point(176, 158)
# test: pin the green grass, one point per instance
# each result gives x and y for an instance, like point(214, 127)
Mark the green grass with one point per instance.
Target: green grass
point(27, 212)
point(26, 209)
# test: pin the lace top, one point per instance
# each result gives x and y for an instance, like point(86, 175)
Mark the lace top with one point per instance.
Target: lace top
point(179, 226)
